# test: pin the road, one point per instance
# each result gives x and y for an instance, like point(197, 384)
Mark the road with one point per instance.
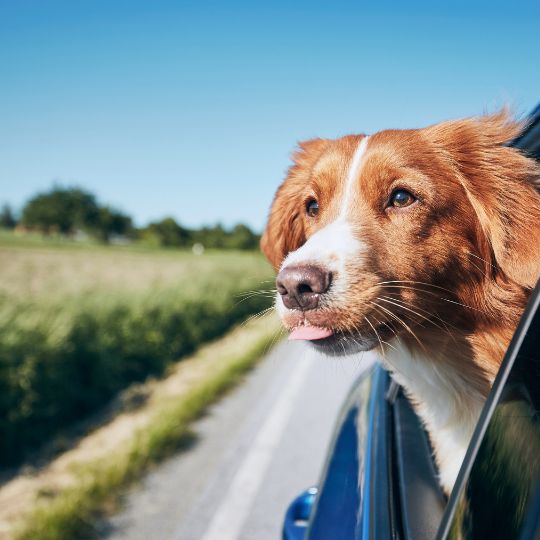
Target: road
point(253, 453)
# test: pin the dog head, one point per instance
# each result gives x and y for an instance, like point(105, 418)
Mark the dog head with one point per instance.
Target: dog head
point(373, 236)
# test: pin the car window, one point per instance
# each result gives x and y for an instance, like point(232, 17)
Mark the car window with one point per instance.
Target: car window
point(495, 498)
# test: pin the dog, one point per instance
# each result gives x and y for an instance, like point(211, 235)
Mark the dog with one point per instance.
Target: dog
point(423, 244)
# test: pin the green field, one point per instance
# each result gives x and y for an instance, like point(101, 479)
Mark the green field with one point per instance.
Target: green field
point(79, 323)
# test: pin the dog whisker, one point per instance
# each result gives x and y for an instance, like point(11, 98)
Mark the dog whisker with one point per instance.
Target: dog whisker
point(384, 323)
point(253, 294)
point(446, 326)
point(480, 258)
point(381, 341)
point(402, 305)
point(464, 305)
point(259, 292)
point(277, 335)
point(257, 316)
point(402, 322)
point(429, 319)
point(481, 270)
point(416, 282)
point(429, 292)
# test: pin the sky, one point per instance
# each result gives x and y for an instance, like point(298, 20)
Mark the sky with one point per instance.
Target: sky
point(191, 109)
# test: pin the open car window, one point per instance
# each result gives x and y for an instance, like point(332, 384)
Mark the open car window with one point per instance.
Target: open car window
point(496, 493)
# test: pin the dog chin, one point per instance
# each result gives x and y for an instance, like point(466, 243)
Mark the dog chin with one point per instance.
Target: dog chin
point(341, 344)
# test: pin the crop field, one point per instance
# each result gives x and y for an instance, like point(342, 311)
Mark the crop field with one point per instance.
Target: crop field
point(79, 323)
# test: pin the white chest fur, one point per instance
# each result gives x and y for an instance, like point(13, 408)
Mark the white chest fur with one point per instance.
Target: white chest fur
point(448, 406)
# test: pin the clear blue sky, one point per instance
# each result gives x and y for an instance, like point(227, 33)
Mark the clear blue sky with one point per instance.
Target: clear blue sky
point(191, 109)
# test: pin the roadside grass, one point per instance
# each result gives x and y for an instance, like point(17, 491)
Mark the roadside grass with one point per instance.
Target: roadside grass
point(32, 239)
point(74, 512)
point(78, 325)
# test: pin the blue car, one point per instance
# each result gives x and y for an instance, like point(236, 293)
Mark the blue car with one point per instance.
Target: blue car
point(380, 480)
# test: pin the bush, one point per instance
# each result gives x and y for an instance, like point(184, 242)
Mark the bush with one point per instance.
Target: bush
point(7, 219)
point(63, 357)
point(68, 210)
point(168, 233)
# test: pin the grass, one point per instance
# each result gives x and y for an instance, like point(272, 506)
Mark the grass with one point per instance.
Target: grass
point(33, 239)
point(73, 513)
point(49, 273)
point(78, 324)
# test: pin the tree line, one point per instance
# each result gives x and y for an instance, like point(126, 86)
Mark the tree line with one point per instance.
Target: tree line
point(73, 211)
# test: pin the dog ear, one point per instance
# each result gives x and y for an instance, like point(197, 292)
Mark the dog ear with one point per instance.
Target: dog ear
point(502, 186)
point(285, 228)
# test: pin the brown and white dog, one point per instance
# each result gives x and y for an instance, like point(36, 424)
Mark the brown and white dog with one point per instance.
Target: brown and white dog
point(423, 244)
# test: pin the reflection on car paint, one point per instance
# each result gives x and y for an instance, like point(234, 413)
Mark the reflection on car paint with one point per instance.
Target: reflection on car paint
point(336, 510)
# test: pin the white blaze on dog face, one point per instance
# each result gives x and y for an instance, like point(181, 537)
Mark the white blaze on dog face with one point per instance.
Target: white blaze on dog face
point(335, 244)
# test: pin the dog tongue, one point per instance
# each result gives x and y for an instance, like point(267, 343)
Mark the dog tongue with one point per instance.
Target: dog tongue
point(310, 333)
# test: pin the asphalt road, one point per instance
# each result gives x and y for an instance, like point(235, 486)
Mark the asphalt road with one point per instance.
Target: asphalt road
point(253, 453)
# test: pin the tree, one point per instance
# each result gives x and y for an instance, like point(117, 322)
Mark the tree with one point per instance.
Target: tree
point(242, 237)
point(111, 222)
point(7, 219)
point(63, 210)
point(211, 237)
point(167, 233)
point(216, 237)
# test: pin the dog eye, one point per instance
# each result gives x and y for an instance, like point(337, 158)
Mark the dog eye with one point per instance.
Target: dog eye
point(401, 198)
point(312, 208)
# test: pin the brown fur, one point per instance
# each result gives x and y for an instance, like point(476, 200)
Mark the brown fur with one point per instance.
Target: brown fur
point(473, 239)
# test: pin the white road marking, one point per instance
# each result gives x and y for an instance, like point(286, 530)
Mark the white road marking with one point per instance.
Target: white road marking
point(231, 515)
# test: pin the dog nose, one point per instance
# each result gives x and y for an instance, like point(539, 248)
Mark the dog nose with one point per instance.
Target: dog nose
point(301, 286)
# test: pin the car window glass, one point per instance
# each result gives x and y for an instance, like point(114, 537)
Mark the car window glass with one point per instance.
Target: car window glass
point(504, 478)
